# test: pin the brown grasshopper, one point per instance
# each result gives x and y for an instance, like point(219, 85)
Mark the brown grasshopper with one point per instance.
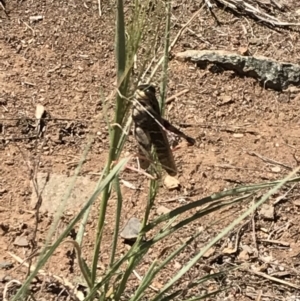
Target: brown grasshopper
point(149, 129)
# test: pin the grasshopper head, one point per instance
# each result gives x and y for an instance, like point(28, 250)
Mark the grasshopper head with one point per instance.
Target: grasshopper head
point(145, 92)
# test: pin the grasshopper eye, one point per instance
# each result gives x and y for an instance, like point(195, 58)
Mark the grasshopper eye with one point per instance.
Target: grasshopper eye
point(151, 90)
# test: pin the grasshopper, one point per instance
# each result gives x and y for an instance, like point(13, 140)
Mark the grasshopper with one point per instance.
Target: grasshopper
point(149, 129)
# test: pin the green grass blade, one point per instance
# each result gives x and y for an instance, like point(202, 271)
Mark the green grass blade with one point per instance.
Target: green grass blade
point(153, 272)
point(59, 212)
point(206, 295)
point(212, 198)
point(117, 220)
point(116, 133)
point(145, 282)
point(195, 259)
point(49, 251)
point(81, 230)
point(196, 216)
point(120, 41)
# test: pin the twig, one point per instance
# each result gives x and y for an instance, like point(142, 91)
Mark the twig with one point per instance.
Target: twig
point(99, 8)
point(238, 236)
point(265, 159)
point(228, 166)
point(141, 172)
point(119, 126)
point(175, 40)
point(141, 278)
point(173, 97)
point(280, 198)
point(33, 33)
point(253, 230)
point(258, 298)
point(246, 8)
point(274, 279)
point(138, 171)
point(49, 118)
point(19, 138)
point(33, 178)
point(2, 4)
point(43, 273)
point(279, 230)
point(277, 242)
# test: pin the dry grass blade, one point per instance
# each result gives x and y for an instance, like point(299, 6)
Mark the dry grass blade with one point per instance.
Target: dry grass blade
point(2, 5)
point(171, 46)
point(274, 279)
point(253, 8)
point(61, 280)
point(226, 230)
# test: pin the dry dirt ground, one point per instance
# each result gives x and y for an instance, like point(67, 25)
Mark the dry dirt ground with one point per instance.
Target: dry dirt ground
point(63, 62)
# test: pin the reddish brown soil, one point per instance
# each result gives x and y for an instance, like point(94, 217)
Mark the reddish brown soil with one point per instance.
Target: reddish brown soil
point(66, 61)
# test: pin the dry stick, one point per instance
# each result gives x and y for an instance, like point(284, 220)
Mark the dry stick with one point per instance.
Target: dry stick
point(2, 4)
point(279, 230)
point(38, 193)
point(249, 9)
point(265, 159)
point(276, 242)
point(63, 281)
point(99, 7)
point(238, 236)
point(253, 230)
point(33, 33)
point(173, 97)
point(141, 278)
point(141, 172)
point(198, 36)
point(175, 40)
point(194, 33)
point(136, 170)
point(280, 198)
point(152, 61)
point(18, 138)
point(50, 118)
point(273, 279)
point(258, 298)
